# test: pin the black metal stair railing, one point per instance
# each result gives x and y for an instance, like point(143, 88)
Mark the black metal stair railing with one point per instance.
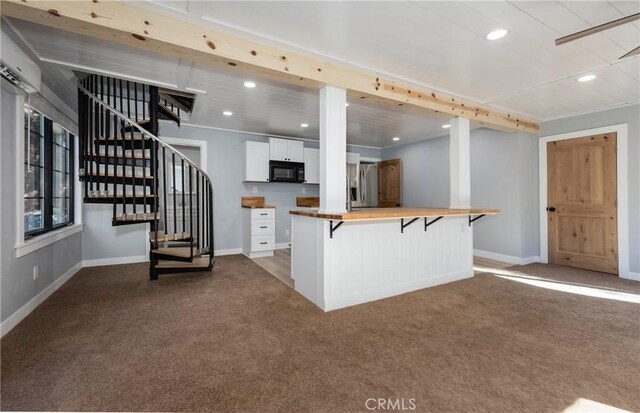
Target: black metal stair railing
point(143, 177)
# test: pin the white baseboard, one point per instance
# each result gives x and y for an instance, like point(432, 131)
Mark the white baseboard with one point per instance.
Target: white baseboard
point(233, 251)
point(115, 261)
point(230, 251)
point(13, 320)
point(509, 259)
point(635, 276)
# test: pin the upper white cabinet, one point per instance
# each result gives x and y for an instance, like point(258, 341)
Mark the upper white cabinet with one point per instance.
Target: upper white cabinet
point(286, 150)
point(256, 161)
point(311, 166)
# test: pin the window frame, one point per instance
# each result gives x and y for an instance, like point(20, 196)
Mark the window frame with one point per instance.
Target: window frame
point(48, 170)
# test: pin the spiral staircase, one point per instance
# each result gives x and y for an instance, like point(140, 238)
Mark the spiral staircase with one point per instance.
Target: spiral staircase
point(125, 164)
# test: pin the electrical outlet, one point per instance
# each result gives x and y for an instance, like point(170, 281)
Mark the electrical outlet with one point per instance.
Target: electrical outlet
point(286, 231)
point(255, 189)
point(36, 272)
point(304, 190)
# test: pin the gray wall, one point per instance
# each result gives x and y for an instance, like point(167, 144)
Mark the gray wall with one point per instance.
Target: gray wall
point(17, 283)
point(224, 162)
point(503, 175)
point(631, 116)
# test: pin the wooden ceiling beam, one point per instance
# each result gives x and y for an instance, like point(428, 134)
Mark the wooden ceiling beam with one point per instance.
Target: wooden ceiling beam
point(119, 22)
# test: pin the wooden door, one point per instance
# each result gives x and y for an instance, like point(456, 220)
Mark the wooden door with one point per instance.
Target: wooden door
point(581, 203)
point(390, 183)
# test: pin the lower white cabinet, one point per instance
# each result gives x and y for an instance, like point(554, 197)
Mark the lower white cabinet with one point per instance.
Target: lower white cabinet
point(259, 232)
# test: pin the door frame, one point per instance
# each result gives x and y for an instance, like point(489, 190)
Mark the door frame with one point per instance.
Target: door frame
point(622, 172)
point(201, 144)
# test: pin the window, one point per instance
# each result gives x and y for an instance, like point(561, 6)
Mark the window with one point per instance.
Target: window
point(48, 175)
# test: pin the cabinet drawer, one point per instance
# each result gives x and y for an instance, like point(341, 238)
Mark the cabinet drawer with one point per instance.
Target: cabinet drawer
point(263, 227)
point(263, 213)
point(263, 243)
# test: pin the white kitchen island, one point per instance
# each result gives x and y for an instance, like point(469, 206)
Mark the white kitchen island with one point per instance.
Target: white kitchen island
point(340, 260)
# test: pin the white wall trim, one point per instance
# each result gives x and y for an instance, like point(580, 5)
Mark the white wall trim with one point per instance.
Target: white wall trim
point(41, 241)
point(229, 251)
point(200, 144)
point(509, 259)
point(635, 276)
point(115, 261)
point(15, 318)
point(265, 135)
point(622, 190)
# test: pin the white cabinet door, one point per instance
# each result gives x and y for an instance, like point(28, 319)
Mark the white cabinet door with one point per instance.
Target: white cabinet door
point(295, 151)
point(256, 161)
point(278, 149)
point(311, 166)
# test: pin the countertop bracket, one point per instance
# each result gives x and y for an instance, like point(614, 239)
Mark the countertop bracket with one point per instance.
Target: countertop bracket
point(332, 229)
point(471, 220)
point(427, 223)
point(403, 225)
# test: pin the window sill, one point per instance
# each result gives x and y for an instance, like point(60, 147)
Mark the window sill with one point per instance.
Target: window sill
point(49, 238)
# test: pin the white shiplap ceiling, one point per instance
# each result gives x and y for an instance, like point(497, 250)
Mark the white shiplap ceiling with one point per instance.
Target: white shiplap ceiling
point(437, 44)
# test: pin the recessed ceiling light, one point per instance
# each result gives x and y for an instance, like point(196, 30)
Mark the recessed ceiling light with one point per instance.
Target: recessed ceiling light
point(227, 113)
point(446, 126)
point(304, 125)
point(249, 84)
point(347, 104)
point(586, 78)
point(497, 34)
point(396, 139)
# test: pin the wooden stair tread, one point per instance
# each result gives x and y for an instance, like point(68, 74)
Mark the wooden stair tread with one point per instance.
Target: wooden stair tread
point(104, 155)
point(136, 137)
point(181, 252)
point(119, 176)
point(167, 237)
point(198, 262)
point(168, 113)
point(120, 196)
point(135, 218)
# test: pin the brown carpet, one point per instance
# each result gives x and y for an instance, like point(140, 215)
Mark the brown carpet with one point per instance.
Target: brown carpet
point(240, 340)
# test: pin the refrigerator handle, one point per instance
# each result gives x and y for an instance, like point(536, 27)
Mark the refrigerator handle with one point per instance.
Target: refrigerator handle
point(363, 186)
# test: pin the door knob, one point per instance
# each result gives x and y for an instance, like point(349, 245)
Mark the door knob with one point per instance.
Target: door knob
point(551, 209)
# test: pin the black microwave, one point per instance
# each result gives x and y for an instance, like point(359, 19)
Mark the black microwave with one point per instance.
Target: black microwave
point(280, 171)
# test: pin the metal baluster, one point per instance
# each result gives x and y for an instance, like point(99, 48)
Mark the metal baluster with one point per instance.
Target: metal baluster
point(191, 205)
point(101, 121)
point(156, 196)
point(210, 222)
point(183, 187)
point(116, 160)
point(175, 208)
point(92, 136)
point(164, 188)
point(204, 208)
point(122, 151)
point(198, 208)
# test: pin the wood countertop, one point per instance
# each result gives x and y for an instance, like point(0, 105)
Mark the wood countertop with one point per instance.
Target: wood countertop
point(386, 213)
point(259, 206)
point(254, 202)
point(308, 201)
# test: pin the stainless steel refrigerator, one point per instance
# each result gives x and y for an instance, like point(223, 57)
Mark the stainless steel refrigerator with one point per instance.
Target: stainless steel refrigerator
point(363, 184)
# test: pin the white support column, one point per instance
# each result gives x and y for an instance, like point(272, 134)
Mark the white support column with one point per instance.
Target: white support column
point(333, 149)
point(459, 163)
